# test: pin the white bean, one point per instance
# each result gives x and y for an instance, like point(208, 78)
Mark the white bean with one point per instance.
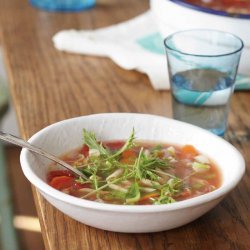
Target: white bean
point(115, 174)
point(202, 159)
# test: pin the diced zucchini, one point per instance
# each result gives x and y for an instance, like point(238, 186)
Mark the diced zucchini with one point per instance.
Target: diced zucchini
point(200, 167)
point(171, 150)
point(202, 159)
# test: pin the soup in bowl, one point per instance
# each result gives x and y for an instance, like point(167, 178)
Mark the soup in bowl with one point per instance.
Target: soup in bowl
point(144, 173)
point(133, 172)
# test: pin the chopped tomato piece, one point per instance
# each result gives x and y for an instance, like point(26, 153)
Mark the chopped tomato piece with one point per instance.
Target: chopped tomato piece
point(61, 182)
point(148, 196)
point(189, 151)
point(85, 150)
point(186, 193)
point(129, 154)
point(160, 154)
point(114, 145)
point(56, 173)
point(128, 157)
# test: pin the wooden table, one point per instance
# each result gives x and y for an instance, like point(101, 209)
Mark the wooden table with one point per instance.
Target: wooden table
point(48, 86)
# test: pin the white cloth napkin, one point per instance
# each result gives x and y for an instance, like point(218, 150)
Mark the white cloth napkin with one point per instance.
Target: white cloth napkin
point(134, 44)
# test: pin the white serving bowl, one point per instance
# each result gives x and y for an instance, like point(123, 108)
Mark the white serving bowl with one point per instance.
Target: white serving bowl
point(171, 17)
point(63, 136)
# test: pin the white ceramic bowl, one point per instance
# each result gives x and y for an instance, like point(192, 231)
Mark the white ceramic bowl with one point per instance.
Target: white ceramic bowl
point(171, 17)
point(65, 135)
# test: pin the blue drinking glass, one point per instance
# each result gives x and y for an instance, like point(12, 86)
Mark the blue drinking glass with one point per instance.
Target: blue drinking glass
point(63, 5)
point(202, 66)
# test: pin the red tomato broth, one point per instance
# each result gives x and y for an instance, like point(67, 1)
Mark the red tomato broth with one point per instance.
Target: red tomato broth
point(229, 6)
point(185, 155)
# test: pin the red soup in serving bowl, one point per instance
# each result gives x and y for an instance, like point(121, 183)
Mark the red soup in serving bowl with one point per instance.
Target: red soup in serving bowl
point(133, 172)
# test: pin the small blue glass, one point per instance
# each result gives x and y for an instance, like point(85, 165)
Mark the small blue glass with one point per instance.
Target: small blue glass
point(63, 5)
point(202, 66)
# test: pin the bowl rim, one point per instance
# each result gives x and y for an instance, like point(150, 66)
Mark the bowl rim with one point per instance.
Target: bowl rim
point(192, 202)
point(211, 11)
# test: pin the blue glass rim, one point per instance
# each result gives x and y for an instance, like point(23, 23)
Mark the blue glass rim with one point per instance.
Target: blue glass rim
point(210, 11)
point(203, 55)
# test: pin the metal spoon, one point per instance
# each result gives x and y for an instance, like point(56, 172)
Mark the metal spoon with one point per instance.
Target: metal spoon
point(24, 144)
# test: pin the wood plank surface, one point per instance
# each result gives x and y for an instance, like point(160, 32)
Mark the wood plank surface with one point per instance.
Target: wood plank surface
point(49, 86)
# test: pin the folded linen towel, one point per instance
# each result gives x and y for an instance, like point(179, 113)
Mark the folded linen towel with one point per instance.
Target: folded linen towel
point(134, 44)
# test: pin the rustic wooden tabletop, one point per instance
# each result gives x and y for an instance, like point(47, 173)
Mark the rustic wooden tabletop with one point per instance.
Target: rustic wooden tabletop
point(48, 86)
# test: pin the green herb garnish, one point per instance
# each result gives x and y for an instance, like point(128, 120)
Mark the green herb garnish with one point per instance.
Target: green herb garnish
point(102, 170)
point(90, 140)
point(133, 194)
point(128, 144)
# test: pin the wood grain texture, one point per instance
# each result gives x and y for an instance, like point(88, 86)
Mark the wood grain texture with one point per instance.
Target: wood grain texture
point(22, 200)
point(48, 86)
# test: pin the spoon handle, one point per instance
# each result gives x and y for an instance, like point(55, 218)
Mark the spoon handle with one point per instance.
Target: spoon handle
point(24, 144)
